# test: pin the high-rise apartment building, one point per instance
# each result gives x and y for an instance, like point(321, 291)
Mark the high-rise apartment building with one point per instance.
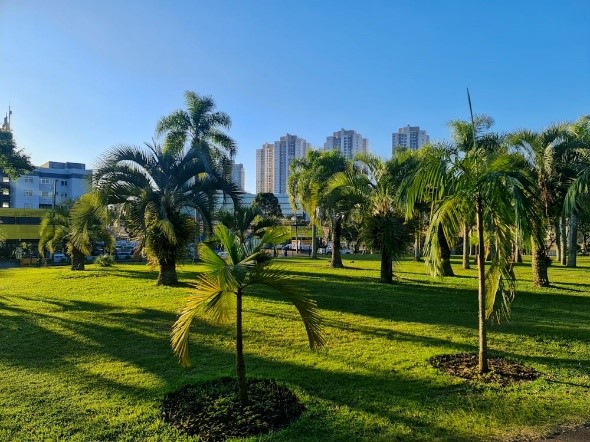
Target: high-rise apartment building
point(273, 161)
point(409, 136)
point(237, 175)
point(348, 142)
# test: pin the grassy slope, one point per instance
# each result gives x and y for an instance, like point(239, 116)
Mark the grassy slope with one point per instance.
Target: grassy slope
point(85, 355)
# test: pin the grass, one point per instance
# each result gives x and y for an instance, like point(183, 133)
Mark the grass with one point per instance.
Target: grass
point(86, 355)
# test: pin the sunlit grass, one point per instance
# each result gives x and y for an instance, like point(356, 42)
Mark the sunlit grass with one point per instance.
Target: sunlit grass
point(86, 355)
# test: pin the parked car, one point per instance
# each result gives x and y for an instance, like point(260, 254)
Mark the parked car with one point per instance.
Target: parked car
point(343, 250)
point(60, 258)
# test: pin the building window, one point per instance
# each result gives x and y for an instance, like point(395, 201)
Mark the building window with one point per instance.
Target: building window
point(5, 204)
point(28, 193)
point(5, 179)
point(46, 194)
point(28, 179)
point(64, 183)
point(5, 191)
point(64, 195)
point(43, 180)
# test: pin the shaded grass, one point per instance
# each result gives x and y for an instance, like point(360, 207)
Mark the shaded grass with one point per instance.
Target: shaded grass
point(86, 355)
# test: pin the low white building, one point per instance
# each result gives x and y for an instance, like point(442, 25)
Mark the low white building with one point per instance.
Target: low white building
point(51, 183)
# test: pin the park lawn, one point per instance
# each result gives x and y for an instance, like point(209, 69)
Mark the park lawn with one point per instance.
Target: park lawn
point(86, 355)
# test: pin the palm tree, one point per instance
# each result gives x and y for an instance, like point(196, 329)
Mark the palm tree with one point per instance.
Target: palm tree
point(307, 187)
point(241, 221)
point(543, 151)
point(74, 228)
point(496, 187)
point(224, 283)
point(54, 230)
point(373, 189)
point(201, 127)
point(89, 218)
point(579, 135)
point(159, 190)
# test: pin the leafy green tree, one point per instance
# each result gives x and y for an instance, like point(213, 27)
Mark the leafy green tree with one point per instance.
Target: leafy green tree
point(374, 190)
point(224, 283)
point(496, 187)
point(55, 229)
point(268, 204)
point(159, 190)
point(13, 161)
point(200, 127)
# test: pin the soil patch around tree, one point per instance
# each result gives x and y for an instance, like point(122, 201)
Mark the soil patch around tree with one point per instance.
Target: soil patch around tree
point(502, 371)
point(212, 409)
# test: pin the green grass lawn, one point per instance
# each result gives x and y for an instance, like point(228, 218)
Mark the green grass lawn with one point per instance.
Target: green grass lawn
point(86, 355)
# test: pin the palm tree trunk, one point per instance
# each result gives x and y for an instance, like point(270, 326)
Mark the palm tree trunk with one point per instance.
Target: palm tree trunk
point(572, 241)
point(557, 240)
point(481, 291)
point(240, 363)
point(386, 267)
point(466, 246)
point(417, 245)
point(167, 275)
point(336, 257)
point(563, 251)
point(314, 243)
point(445, 253)
point(78, 260)
point(539, 266)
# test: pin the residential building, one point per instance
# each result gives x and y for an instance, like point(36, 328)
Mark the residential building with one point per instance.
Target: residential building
point(237, 175)
point(409, 136)
point(348, 142)
point(273, 161)
point(51, 183)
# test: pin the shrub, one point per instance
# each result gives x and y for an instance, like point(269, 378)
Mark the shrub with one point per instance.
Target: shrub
point(105, 260)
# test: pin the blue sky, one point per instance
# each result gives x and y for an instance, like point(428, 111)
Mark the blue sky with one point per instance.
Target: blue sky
point(82, 76)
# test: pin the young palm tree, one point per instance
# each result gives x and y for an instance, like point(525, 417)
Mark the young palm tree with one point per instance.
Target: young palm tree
point(224, 283)
point(55, 230)
point(496, 187)
point(201, 127)
point(159, 191)
point(75, 228)
point(241, 221)
point(89, 219)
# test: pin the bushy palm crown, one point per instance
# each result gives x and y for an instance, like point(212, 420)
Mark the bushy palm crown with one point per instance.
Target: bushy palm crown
point(158, 191)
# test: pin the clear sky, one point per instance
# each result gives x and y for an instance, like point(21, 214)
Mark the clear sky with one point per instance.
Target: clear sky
point(82, 76)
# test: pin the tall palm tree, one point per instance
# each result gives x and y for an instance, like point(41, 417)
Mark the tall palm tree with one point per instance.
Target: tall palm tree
point(496, 187)
point(159, 190)
point(200, 127)
point(224, 283)
point(374, 190)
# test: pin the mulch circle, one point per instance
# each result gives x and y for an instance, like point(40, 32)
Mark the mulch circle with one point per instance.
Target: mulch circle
point(502, 371)
point(212, 409)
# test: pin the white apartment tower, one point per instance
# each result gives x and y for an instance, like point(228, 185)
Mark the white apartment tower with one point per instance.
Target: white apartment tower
point(409, 136)
point(273, 161)
point(348, 142)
